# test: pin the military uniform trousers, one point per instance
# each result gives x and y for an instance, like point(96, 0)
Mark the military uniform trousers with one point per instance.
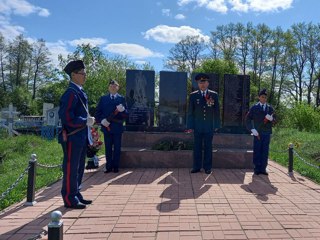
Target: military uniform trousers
point(261, 152)
point(73, 169)
point(202, 140)
point(113, 149)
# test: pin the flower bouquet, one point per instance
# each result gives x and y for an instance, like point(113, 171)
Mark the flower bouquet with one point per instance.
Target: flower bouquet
point(93, 160)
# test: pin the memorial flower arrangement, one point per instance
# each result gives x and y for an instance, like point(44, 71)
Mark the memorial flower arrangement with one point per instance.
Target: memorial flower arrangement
point(92, 150)
point(210, 100)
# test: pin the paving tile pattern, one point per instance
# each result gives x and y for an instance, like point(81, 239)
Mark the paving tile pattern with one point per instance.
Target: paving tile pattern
point(174, 204)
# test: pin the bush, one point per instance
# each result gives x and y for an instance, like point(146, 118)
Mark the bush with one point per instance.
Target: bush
point(302, 117)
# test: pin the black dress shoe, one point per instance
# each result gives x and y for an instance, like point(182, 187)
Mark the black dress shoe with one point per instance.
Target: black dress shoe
point(265, 173)
point(256, 172)
point(195, 170)
point(108, 170)
point(78, 206)
point(116, 170)
point(86, 202)
point(207, 171)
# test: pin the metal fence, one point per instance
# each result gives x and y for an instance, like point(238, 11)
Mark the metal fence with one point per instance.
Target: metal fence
point(291, 154)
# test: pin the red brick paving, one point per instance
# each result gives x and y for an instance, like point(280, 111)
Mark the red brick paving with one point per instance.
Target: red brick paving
point(174, 204)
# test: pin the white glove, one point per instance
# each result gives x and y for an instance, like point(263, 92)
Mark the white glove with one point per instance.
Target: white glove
point(105, 123)
point(269, 117)
point(254, 132)
point(90, 121)
point(120, 108)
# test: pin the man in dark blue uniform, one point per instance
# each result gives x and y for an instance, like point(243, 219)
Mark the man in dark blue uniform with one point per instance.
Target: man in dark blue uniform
point(259, 121)
point(74, 136)
point(111, 113)
point(203, 120)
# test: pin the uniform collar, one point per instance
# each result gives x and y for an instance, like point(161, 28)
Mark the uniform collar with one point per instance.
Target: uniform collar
point(114, 95)
point(262, 104)
point(205, 91)
point(78, 86)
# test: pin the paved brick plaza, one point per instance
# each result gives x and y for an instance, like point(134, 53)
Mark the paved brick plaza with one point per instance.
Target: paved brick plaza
point(174, 204)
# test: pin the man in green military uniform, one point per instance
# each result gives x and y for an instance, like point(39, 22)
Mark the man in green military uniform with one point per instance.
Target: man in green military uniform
point(203, 121)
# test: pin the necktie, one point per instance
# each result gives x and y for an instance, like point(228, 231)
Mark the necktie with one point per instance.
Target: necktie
point(263, 107)
point(112, 97)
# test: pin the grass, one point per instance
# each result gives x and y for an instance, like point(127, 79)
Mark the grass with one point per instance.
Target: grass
point(15, 153)
point(306, 144)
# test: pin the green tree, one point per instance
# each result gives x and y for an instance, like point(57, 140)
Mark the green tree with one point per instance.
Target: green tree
point(19, 53)
point(217, 66)
point(51, 93)
point(186, 55)
point(225, 39)
point(3, 53)
point(22, 100)
point(40, 67)
point(100, 70)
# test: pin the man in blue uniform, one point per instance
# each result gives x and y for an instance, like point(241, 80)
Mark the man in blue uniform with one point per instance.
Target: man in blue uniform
point(111, 113)
point(203, 120)
point(259, 121)
point(74, 136)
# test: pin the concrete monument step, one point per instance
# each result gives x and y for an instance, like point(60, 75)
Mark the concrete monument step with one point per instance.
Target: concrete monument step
point(134, 157)
point(220, 140)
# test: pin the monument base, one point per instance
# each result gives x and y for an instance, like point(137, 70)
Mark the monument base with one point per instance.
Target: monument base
point(229, 151)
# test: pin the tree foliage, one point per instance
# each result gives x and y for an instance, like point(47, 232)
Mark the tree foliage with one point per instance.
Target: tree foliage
point(286, 62)
point(186, 55)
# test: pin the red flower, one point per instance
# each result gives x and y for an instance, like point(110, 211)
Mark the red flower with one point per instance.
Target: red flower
point(96, 143)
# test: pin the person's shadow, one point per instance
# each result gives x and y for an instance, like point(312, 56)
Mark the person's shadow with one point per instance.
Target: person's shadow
point(183, 189)
point(261, 187)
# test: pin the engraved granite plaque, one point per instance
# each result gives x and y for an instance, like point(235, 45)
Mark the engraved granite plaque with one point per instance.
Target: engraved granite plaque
point(172, 101)
point(140, 92)
point(235, 103)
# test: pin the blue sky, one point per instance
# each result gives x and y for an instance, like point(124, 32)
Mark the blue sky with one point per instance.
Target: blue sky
point(143, 30)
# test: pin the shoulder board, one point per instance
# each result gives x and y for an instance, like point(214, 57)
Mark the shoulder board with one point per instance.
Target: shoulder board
point(211, 91)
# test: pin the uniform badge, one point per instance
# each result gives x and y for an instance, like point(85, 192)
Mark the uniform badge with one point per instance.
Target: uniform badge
point(198, 101)
point(209, 100)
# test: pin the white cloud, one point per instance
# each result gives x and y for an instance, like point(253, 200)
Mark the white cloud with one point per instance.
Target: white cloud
point(217, 5)
point(92, 41)
point(131, 50)
point(21, 7)
point(16, 7)
point(180, 17)
point(238, 6)
point(56, 49)
point(8, 30)
point(184, 2)
point(166, 12)
point(44, 12)
point(223, 6)
point(167, 34)
point(269, 5)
